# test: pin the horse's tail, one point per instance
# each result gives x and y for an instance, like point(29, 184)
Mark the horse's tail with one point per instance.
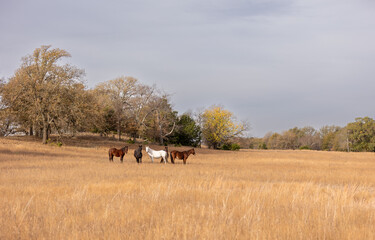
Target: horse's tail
point(172, 160)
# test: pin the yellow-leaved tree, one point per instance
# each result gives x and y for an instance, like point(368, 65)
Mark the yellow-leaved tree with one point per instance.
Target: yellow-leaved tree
point(220, 126)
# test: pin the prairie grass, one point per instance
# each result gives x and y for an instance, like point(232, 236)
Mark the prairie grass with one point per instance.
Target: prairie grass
point(68, 192)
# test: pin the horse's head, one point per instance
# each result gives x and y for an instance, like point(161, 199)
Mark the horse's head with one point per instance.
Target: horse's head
point(140, 146)
point(193, 151)
point(147, 148)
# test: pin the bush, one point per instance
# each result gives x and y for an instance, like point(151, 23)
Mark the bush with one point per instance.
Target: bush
point(304, 147)
point(231, 146)
point(130, 141)
point(262, 146)
point(54, 143)
point(235, 147)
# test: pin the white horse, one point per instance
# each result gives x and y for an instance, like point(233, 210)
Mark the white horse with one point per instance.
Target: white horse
point(157, 154)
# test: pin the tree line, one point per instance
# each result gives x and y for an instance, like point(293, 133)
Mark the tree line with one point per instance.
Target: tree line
point(46, 97)
point(357, 136)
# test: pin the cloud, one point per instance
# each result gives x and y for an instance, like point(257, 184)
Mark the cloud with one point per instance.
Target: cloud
point(278, 64)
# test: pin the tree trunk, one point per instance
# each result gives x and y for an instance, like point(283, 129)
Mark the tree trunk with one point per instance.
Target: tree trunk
point(45, 132)
point(160, 130)
point(31, 133)
point(119, 129)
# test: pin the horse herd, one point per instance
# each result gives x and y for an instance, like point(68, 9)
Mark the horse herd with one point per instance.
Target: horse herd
point(163, 154)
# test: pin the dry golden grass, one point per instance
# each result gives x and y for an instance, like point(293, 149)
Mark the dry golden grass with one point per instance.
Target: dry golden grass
point(70, 192)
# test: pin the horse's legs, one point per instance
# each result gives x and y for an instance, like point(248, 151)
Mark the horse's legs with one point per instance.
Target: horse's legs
point(122, 158)
point(152, 159)
point(184, 160)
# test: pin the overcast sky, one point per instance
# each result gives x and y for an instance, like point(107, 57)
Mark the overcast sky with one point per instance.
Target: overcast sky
point(275, 63)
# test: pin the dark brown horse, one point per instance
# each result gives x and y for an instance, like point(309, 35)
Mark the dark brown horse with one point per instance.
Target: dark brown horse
point(117, 153)
point(138, 154)
point(181, 155)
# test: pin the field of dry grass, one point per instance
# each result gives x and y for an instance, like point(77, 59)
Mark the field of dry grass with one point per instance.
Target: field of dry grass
point(50, 192)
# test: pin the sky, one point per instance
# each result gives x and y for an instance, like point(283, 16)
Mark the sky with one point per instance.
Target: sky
point(276, 64)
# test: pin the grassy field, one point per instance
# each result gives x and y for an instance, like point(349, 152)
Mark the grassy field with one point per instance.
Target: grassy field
point(50, 192)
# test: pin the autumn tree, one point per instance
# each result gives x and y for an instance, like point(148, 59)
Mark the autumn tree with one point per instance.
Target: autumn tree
point(37, 90)
point(273, 141)
point(104, 120)
point(119, 92)
point(78, 108)
point(328, 134)
point(220, 126)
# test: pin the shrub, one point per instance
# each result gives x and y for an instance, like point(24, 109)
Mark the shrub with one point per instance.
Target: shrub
point(231, 146)
point(235, 147)
point(262, 146)
point(130, 141)
point(304, 147)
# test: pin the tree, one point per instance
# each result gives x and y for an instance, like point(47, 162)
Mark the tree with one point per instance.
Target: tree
point(361, 134)
point(160, 120)
point(273, 140)
point(328, 135)
point(37, 90)
point(119, 91)
point(79, 109)
point(187, 133)
point(139, 110)
point(220, 126)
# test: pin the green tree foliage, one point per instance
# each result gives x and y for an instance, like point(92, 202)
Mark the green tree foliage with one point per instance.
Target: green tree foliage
point(231, 146)
point(361, 134)
point(187, 132)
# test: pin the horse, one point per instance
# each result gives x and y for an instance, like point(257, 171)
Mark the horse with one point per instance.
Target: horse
point(138, 154)
point(157, 154)
point(117, 153)
point(181, 155)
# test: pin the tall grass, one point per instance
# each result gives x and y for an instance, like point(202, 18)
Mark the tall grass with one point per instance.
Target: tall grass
point(75, 193)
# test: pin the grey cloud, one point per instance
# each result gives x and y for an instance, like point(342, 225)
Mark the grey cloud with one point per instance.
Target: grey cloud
point(278, 64)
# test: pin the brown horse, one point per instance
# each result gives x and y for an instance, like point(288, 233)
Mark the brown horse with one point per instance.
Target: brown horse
point(117, 153)
point(181, 155)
